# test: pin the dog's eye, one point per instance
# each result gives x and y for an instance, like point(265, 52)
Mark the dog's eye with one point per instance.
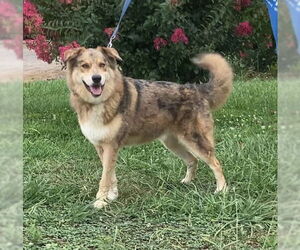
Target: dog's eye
point(101, 65)
point(85, 66)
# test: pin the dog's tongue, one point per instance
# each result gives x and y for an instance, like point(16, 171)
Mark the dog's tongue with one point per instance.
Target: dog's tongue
point(96, 90)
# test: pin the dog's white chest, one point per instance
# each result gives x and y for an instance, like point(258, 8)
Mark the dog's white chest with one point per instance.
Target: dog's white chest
point(96, 132)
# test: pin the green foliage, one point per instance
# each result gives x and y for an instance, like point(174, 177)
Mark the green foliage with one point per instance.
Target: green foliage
point(209, 25)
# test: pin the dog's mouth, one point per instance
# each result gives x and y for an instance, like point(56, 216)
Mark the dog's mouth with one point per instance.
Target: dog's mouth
point(95, 89)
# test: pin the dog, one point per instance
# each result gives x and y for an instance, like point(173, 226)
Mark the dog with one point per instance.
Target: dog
point(115, 111)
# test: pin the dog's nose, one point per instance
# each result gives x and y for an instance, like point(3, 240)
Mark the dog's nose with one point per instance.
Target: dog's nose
point(96, 78)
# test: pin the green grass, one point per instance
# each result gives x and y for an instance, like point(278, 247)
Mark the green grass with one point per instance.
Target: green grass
point(154, 210)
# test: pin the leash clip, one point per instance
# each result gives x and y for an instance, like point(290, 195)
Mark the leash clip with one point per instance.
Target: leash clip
point(109, 45)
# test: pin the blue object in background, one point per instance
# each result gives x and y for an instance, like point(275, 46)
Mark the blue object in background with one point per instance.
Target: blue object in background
point(294, 8)
point(273, 13)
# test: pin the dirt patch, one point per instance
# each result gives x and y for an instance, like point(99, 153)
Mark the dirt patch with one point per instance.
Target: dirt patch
point(37, 70)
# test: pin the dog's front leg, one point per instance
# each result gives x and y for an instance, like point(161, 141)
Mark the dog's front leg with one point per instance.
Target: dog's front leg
point(108, 183)
point(99, 150)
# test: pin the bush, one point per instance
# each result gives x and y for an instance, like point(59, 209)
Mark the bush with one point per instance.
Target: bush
point(157, 38)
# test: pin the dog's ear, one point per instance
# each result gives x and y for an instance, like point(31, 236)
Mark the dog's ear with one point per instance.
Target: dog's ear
point(110, 52)
point(72, 53)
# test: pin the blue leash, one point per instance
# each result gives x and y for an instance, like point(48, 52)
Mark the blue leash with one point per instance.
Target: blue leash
point(114, 34)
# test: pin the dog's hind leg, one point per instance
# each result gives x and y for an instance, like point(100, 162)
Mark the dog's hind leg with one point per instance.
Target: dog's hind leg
point(202, 146)
point(172, 143)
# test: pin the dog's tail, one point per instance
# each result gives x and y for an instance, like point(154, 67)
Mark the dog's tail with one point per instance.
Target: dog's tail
point(219, 86)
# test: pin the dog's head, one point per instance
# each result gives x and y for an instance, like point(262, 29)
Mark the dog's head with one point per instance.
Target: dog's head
point(93, 73)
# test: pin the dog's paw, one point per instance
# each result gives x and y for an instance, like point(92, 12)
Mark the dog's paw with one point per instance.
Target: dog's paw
point(100, 204)
point(112, 194)
point(186, 180)
point(222, 188)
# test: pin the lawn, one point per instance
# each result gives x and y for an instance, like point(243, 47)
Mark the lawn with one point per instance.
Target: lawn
point(154, 210)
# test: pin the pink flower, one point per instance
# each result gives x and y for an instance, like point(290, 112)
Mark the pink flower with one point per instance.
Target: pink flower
point(241, 4)
point(43, 48)
point(32, 19)
point(243, 29)
point(66, 1)
point(237, 7)
point(269, 44)
point(175, 2)
point(63, 49)
point(179, 36)
point(243, 54)
point(159, 43)
point(245, 3)
point(108, 31)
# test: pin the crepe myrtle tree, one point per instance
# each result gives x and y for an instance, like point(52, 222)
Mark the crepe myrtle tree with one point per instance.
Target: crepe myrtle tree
point(157, 38)
point(11, 25)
